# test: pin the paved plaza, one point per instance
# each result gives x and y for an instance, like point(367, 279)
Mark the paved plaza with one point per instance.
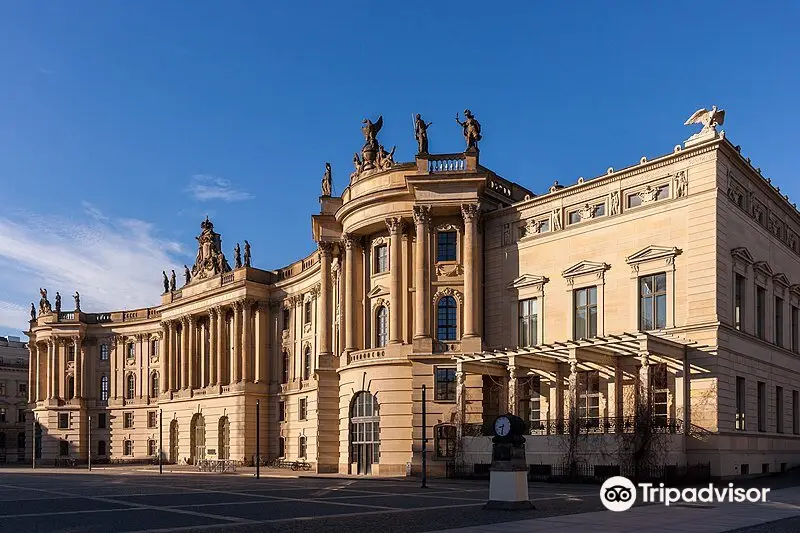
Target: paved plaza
point(132, 500)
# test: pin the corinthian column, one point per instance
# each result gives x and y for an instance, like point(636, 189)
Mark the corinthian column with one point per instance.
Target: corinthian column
point(324, 326)
point(236, 344)
point(349, 297)
point(221, 345)
point(246, 344)
point(470, 213)
point(31, 361)
point(191, 353)
point(79, 362)
point(422, 220)
point(395, 226)
point(212, 347)
point(166, 349)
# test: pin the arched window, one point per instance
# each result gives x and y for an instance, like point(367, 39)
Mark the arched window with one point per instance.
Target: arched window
point(301, 447)
point(445, 440)
point(104, 388)
point(154, 384)
point(101, 447)
point(364, 432)
point(381, 327)
point(446, 319)
point(198, 438)
point(285, 367)
point(130, 389)
point(307, 363)
point(224, 438)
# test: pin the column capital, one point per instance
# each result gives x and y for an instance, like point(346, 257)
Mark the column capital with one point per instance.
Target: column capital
point(422, 215)
point(325, 247)
point(274, 305)
point(395, 225)
point(350, 241)
point(471, 212)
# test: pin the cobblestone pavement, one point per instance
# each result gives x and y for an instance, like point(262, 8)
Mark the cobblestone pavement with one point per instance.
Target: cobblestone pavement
point(122, 500)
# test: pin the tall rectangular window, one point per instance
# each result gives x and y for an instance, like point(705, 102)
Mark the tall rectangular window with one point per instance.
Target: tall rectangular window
point(287, 316)
point(381, 259)
point(127, 447)
point(589, 397)
point(302, 409)
point(528, 322)
point(127, 420)
point(795, 329)
point(738, 301)
point(741, 403)
point(101, 421)
point(3, 415)
point(307, 312)
point(585, 313)
point(659, 386)
point(446, 242)
point(445, 386)
point(795, 412)
point(779, 409)
point(535, 415)
point(104, 388)
point(762, 406)
point(104, 352)
point(778, 329)
point(63, 420)
point(152, 419)
point(281, 411)
point(131, 354)
point(653, 302)
point(761, 312)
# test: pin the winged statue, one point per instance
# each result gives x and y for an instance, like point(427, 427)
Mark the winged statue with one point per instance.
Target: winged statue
point(371, 130)
point(709, 119)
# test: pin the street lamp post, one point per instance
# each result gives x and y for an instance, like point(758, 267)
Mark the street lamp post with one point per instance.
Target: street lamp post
point(258, 439)
point(33, 440)
point(424, 441)
point(89, 448)
point(160, 441)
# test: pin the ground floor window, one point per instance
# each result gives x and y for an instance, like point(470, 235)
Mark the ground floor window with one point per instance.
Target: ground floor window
point(101, 447)
point(63, 448)
point(281, 447)
point(302, 447)
point(224, 438)
point(445, 440)
point(127, 447)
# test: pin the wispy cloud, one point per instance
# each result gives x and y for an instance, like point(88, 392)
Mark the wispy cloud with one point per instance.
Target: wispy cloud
point(45, 71)
point(204, 187)
point(114, 263)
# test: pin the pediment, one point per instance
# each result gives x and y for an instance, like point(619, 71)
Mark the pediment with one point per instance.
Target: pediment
point(781, 279)
point(764, 268)
point(653, 253)
point(795, 289)
point(585, 267)
point(527, 280)
point(743, 254)
point(378, 290)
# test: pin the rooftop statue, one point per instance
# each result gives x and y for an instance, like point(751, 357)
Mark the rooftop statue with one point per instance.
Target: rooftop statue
point(709, 119)
point(472, 129)
point(370, 131)
point(369, 152)
point(246, 253)
point(44, 303)
point(209, 260)
point(77, 297)
point(421, 134)
point(187, 276)
point(385, 160)
point(172, 281)
point(327, 181)
point(237, 256)
point(58, 302)
point(33, 311)
point(166, 281)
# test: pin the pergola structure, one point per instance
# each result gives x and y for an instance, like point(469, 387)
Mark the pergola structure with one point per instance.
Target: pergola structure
point(616, 356)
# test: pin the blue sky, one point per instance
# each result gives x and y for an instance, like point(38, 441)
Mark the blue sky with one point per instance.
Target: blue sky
point(123, 123)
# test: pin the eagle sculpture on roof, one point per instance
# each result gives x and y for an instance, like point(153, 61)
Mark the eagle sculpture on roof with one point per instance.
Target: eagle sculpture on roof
point(709, 119)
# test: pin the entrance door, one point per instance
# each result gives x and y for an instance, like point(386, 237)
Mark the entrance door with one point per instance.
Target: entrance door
point(198, 437)
point(364, 432)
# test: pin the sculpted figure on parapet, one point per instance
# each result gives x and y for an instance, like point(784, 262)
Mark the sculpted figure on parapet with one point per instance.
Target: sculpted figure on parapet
point(58, 302)
point(472, 129)
point(44, 303)
point(172, 281)
point(210, 261)
point(327, 181)
point(246, 253)
point(166, 281)
point(421, 134)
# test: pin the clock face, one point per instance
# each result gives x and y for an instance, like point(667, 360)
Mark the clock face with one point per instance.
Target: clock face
point(502, 426)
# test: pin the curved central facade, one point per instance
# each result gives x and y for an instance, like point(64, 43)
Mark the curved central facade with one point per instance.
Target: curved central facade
point(584, 302)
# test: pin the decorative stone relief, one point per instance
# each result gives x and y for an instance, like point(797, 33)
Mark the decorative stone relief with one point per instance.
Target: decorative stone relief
point(422, 215)
point(377, 302)
point(507, 234)
point(613, 203)
point(681, 184)
point(586, 212)
point(449, 271)
point(448, 291)
point(377, 241)
point(649, 194)
point(555, 219)
point(447, 227)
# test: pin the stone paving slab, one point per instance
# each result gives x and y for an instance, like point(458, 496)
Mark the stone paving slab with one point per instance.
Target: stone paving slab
point(705, 518)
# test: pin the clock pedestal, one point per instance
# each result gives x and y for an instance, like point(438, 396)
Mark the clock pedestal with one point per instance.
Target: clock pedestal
point(508, 475)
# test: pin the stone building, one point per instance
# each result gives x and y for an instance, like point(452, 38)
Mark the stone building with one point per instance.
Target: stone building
point(13, 400)
point(666, 292)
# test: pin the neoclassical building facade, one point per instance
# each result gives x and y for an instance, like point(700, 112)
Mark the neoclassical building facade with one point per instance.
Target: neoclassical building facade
point(672, 284)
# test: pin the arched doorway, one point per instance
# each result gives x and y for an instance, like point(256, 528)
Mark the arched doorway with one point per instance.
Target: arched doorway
point(173, 442)
point(365, 439)
point(198, 438)
point(224, 438)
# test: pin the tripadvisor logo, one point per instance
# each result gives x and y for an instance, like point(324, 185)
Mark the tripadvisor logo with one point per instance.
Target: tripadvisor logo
point(619, 494)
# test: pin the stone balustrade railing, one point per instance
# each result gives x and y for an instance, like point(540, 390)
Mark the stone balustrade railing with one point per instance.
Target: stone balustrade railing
point(66, 315)
point(446, 346)
point(227, 277)
point(366, 355)
point(447, 163)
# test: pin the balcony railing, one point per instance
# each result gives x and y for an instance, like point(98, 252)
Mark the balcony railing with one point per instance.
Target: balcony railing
point(227, 277)
point(447, 163)
point(445, 347)
point(366, 355)
point(588, 426)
